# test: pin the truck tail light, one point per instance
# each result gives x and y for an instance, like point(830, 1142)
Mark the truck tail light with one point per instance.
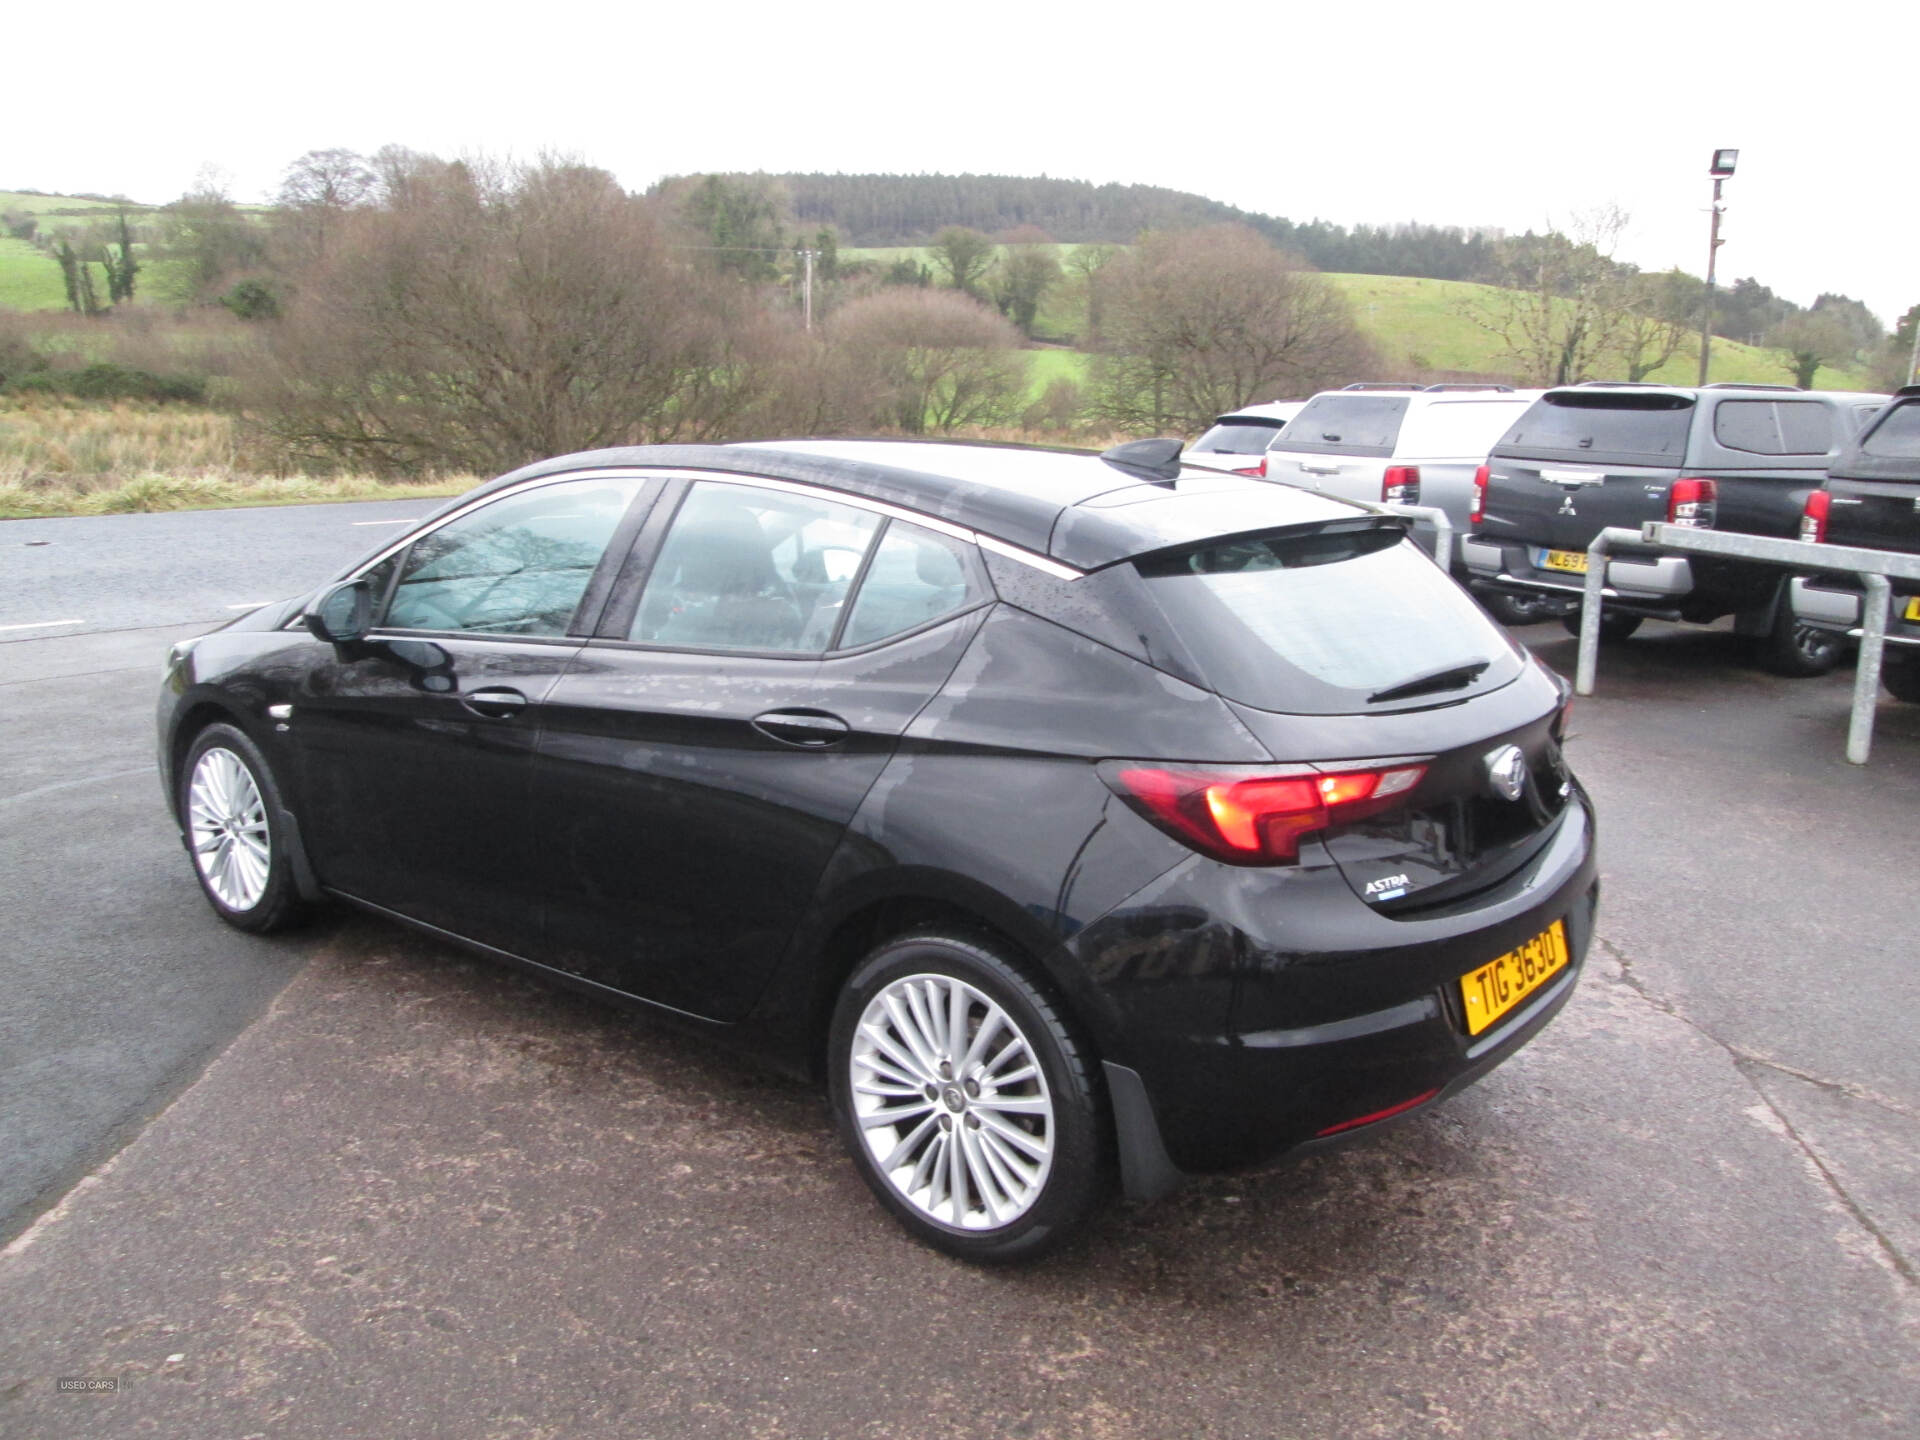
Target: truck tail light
point(1258, 470)
point(1691, 503)
point(1479, 506)
point(1247, 817)
point(1813, 517)
point(1400, 485)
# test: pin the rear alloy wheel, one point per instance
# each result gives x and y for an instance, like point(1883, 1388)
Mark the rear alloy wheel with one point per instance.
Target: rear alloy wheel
point(1614, 625)
point(1901, 675)
point(231, 810)
point(1796, 649)
point(966, 1102)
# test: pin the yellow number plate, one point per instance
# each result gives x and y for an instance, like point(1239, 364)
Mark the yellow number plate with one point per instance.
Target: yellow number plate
point(1913, 608)
point(1494, 989)
point(1574, 560)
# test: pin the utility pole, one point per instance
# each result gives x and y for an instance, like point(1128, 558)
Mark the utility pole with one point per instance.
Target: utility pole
point(1722, 166)
point(806, 286)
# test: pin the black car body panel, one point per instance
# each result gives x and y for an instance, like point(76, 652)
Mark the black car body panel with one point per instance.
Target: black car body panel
point(722, 834)
point(1873, 492)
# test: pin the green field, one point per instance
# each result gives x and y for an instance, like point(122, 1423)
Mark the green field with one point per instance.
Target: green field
point(29, 278)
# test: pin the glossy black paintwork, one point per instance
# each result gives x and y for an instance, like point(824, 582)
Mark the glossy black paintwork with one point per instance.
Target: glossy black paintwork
point(639, 828)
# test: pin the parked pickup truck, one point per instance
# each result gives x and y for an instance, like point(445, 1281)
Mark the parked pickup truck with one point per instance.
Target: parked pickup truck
point(1731, 457)
point(1871, 499)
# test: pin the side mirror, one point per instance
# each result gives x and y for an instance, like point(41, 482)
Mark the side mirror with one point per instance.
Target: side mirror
point(343, 614)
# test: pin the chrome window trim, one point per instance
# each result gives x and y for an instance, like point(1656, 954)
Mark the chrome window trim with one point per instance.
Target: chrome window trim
point(1045, 564)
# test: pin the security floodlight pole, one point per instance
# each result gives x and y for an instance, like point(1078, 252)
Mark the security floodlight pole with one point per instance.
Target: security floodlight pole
point(1720, 169)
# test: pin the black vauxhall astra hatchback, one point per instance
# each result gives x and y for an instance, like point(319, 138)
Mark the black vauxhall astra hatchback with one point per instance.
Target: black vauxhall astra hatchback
point(1071, 815)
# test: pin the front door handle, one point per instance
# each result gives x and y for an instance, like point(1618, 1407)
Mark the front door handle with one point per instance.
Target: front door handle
point(803, 729)
point(495, 704)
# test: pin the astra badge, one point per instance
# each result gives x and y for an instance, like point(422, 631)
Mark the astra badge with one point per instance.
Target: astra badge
point(1507, 769)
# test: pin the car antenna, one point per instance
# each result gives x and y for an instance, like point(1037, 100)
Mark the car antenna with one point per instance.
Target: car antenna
point(1156, 461)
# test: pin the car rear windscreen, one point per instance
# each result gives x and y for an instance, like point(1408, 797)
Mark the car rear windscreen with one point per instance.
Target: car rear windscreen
point(1347, 424)
point(1316, 623)
point(1651, 429)
point(1239, 437)
point(1898, 436)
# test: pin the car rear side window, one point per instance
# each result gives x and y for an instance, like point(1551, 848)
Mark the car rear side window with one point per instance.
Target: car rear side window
point(1316, 623)
point(1457, 429)
point(1348, 424)
point(1774, 427)
point(1898, 436)
point(1238, 437)
point(749, 569)
point(917, 576)
point(1596, 424)
point(515, 566)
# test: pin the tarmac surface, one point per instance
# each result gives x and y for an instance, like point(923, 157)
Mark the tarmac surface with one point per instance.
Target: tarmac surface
point(415, 1193)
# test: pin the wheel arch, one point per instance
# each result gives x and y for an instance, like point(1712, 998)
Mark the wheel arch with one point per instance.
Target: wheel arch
point(189, 723)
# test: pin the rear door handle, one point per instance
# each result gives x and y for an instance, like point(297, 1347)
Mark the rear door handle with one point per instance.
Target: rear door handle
point(1307, 469)
point(803, 729)
point(495, 704)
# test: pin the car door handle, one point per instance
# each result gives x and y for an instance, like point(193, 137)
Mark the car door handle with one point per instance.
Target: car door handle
point(803, 729)
point(496, 704)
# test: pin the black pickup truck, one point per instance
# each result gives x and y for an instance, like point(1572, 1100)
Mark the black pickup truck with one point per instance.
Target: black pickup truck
point(1731, 457)
point(1871, 499)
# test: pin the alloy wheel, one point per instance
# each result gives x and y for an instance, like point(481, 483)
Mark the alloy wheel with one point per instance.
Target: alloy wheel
point(227, 827)
point(951, 1102)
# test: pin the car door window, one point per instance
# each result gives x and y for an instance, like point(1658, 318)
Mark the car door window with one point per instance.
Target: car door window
point(743, 568)
point(1806, 427)
point(516, 566)
point(917, 576)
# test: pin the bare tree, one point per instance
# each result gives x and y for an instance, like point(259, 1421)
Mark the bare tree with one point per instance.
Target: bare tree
point(1559, 303)
point(964, 254)
point(486, 316)
point(1810, 339)
point(1026, 270)
point(316, 191)
point(1085, 264)
point(207, 240)
point(1661, 316)
point(938, 360)
point(1200, 322)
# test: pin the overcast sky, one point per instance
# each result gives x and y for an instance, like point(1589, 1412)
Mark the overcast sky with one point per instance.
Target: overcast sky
point(1378, 112)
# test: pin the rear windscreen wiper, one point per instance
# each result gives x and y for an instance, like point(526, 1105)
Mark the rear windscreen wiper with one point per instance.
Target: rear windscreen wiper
point(1453, 677)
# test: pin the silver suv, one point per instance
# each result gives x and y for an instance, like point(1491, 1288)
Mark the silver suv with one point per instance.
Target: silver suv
point(1239, 442)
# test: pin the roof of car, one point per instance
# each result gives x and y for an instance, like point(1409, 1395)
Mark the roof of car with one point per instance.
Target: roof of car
point(1731, 390)
point(1072, 506)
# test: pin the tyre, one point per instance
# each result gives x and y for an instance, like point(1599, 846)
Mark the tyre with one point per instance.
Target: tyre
point(1901, 675)
point(1511, 609)
point(965, 1100)
point(1794, 648)
point(1613, 624)
point(232, 813)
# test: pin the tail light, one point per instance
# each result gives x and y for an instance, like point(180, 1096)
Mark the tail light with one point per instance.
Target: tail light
point(1479, 506)
point(1259, 471)
point(1691, 503)
point(1400, 485)
point(1813, 518)
point(1249, 817)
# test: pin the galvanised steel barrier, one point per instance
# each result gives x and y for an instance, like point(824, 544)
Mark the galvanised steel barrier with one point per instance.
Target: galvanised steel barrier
point(1874, 567)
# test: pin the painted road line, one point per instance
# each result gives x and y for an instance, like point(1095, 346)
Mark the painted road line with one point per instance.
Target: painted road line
point(42, 625)
point(362, 523)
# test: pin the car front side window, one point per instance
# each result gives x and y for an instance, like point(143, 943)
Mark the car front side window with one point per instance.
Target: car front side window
point(518, 565)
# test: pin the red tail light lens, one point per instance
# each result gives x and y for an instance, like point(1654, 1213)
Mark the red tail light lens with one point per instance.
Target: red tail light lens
point(1259, 470)
point(1691, 502)
point(1813, 517)
point(1479, 505)
point(1400, 485)
point(1254, 819)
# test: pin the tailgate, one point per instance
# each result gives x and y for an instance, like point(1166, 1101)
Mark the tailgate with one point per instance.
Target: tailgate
point(1877, 514)
point(1351, 477)
point(1562, 505)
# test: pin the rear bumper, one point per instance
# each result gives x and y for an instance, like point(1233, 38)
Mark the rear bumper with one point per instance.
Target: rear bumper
point(1340, 1012)
point(1834, 604)
point(1653, 579)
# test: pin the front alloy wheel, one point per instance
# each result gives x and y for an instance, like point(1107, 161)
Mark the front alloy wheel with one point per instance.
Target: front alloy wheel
point(965, 1100)
point(231, 813)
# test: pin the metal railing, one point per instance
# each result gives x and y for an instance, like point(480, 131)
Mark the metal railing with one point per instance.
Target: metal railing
point(1874, 567)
